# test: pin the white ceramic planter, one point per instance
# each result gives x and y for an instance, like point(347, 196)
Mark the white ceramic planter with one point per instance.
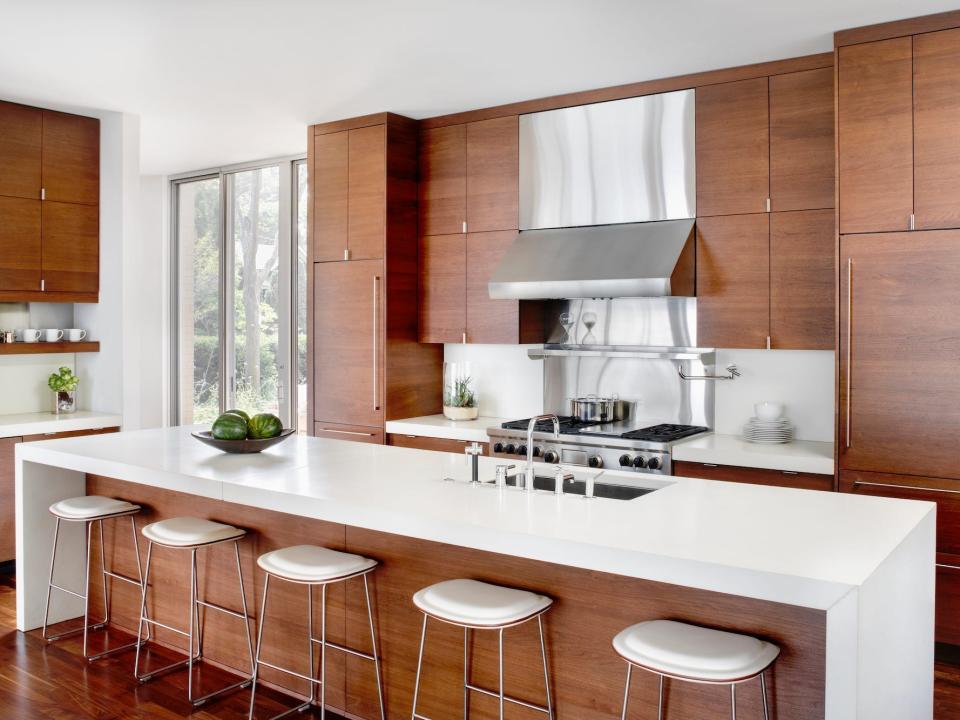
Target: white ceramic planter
point(461, 413)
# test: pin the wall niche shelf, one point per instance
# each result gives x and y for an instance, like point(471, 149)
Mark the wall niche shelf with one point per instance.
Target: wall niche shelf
point(40, 348)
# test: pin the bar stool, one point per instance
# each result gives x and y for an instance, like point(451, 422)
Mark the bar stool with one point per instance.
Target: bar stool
point(475, 605)
point(695, 654)
point(311, 565)
point(193, 534)
point(91, 509)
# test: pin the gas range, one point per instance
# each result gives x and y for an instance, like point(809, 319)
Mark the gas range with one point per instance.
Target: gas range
point(620, 445)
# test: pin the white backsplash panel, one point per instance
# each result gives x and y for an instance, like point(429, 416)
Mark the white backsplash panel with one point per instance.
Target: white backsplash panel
point(509, 384)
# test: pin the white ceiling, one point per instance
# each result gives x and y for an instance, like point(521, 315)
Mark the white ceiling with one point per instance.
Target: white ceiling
point(222, 81)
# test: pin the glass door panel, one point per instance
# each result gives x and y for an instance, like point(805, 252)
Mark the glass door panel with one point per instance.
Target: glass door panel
point(300, 347)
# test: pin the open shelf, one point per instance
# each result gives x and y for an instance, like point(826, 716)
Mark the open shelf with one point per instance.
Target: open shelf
point(40, 348)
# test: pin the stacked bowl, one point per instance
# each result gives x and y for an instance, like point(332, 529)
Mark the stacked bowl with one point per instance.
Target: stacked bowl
point(768, 425)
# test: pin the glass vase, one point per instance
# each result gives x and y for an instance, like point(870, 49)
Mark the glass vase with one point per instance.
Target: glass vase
point(64, 402)
point(460, 401)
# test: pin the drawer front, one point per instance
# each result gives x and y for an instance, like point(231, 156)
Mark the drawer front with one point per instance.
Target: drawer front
point(356, 433)
point(71, 433)
point(948, 599)
point(757, 476)
point(422, 442)
point(945, 493)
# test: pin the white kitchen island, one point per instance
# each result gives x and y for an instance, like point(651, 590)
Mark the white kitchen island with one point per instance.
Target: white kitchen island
point(866, 564)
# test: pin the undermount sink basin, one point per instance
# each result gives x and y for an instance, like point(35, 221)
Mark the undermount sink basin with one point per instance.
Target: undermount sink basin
point(611, 491)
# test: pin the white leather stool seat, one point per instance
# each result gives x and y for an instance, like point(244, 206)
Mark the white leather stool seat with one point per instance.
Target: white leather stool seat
point(692, 652)
point(86, 507)
point(312, 563)
point(189, 531)
point(479, 604)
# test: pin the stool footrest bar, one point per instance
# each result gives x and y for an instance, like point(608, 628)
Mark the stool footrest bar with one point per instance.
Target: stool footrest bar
point(166, 627)
point(228, 611)
point(507, 698)
point(344, 648)
point(119, 648)
point(118, 576)
point(76, 631)
point(315, 681)
point(166, 668)
point(68, 591)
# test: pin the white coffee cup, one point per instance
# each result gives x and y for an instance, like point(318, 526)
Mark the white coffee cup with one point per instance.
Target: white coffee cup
point(52, 335)
point(30, 334)
point(74, 334)
point(768, 410)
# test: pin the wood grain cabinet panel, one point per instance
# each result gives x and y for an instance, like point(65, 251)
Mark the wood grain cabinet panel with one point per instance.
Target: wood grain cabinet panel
point(422, 442)
point(802, 280)
point(21, 133)
point(367, 192)
point(347, 342)
point(733, 148)
point(71, 247)
point(757, 476)
point(489, 321)
point(443, 180)
point(8, 539)
point(733, 281)
point(328, 184)
point(20, 255)
point(493, 174)
point(354, 433)
point(948, 600)
point(442, 298)
point(71, 158)
point(801, 140)
point(936, 129)
point(899, 352)
point(875, 135)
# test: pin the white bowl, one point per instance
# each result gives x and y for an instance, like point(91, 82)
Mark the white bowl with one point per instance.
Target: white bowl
point(768, 410)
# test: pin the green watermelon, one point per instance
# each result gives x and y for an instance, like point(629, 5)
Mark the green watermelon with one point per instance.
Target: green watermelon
point(264, 425)
point(229, 427)
point(241, 413)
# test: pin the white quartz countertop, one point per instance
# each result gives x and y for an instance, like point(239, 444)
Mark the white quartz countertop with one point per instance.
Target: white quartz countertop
point(438, 426)
point(795, 546)
point(796, 456)
point(45, 422)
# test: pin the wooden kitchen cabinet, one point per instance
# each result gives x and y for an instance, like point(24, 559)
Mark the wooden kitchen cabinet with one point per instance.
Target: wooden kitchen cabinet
point(355, 433)
point(875, 135)
point(757, 476)
point(20, 244)
point(733, 147)
point(71, 158)
point(70, 434)
point(442, 301)
point(490, 321)
point(443, 180)
point(328, 185)
point(898, 354)
point(71, 248)
point(8, 538)
point(733, 281)
point(421, 442)
point(21, 137)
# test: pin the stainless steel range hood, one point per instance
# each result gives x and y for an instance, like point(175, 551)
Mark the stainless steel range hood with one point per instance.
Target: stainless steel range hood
point(607, 201)
point(652, 259)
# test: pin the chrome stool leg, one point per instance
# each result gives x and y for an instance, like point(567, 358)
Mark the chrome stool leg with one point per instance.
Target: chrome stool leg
point(763, 695)
point(660, 700)
point(500, 668)
point(376, 652)
point(416, 685)
point(733, 702)
point(466, 673)
point(626, 693)
point(546, 674)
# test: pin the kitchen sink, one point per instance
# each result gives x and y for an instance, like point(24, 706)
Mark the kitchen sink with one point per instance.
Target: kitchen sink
point(611, 491)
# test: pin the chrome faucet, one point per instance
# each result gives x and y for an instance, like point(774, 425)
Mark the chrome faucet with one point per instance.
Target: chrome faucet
point(531, 473)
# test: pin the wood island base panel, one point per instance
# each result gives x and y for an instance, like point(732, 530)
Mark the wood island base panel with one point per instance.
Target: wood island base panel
point(590, 608)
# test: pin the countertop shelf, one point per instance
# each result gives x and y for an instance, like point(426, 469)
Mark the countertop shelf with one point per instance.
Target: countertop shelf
point(39, 348)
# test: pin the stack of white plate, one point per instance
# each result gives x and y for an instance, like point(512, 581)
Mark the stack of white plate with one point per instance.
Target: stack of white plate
point(768, 431)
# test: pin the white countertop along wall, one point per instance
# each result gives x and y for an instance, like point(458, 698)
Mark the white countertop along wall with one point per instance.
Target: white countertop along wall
point(797, 456)
point(438, 426)
point(17, 425)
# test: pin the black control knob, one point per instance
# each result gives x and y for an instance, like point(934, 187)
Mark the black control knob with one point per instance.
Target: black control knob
point(510, 448)
point(639, 461)
point(498, 447)
point(522, 450)
point(537, 451)
point(551, 457)
point(625, 460)
point(654, 463)
point(595, 461)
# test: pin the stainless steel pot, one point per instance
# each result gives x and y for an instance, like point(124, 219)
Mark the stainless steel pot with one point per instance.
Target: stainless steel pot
point(594, 409)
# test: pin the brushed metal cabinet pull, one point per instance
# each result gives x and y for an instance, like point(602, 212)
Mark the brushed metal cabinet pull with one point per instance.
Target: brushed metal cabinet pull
point(376, 344)
point(347, 432)
point(849, 341)
point(948, 566)
point(905, 487)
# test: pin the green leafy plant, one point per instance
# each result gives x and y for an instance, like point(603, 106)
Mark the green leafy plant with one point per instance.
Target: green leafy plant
point(459, 394)
point(63, 381)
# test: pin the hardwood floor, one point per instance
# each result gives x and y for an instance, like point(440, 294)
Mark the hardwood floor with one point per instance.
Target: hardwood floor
point(52, 682)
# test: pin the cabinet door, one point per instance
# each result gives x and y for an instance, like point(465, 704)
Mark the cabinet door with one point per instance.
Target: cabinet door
point(875, 136)
point(733, 281)
point(354, 433)
point(493, 174)
point(756, 476)
point(71, 247)
point(20, 142)
point(936, 129)
point(443, 180)
point(348, 342)
point(19, 244)
point(8, 538)
point(421, 442)
point(489, 321)
point(328, 183)
point(733, 148)
point(899, 352)
point(71, 158)
point(367, 192)
point(442, 307)
point(802, 280)
point(801, 140)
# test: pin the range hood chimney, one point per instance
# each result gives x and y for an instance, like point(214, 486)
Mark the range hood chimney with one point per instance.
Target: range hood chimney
point(607, 202)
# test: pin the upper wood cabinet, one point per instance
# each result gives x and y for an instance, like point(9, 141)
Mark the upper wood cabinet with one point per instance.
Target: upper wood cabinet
point(489, 321)
point(49, 205)
point(328, 185)
point(875, 135)
point(469, 177)
point(733, 148)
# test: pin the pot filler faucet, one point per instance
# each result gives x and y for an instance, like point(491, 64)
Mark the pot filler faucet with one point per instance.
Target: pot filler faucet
point(531, 473)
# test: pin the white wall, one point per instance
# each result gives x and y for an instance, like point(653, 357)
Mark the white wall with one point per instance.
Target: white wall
point(509, 384)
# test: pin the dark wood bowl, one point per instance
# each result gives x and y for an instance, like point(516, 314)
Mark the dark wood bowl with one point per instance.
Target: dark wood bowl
point(247, 445)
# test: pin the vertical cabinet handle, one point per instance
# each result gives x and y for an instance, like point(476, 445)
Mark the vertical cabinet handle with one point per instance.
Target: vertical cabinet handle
point(376, 344)
point(913, 221)
point(849, 339)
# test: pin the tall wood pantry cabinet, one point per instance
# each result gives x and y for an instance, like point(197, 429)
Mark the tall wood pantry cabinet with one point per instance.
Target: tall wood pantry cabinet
point(49, 205)
point(365, 365)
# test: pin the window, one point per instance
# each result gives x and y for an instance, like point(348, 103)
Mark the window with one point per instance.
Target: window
point(241, 303)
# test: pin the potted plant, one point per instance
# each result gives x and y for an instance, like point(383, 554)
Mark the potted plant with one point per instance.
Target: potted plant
point(459, 395)
point(64, 385)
